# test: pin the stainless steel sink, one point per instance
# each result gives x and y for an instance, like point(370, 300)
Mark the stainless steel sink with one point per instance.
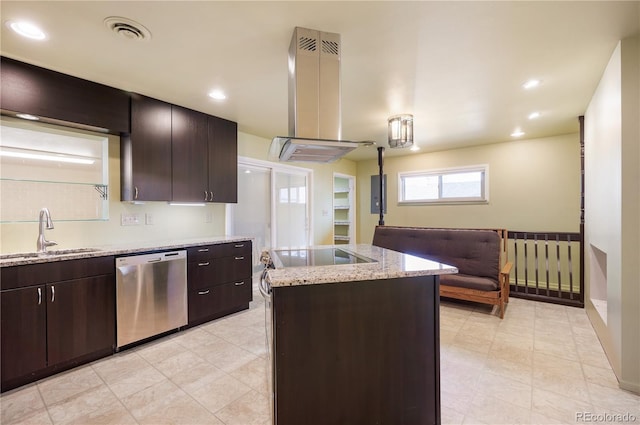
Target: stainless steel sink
point(54, 252)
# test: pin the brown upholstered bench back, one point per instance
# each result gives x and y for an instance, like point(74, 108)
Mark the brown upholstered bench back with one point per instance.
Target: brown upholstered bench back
point(473, 252)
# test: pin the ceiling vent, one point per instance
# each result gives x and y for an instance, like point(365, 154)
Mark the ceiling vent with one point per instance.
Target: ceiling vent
point(127, 28)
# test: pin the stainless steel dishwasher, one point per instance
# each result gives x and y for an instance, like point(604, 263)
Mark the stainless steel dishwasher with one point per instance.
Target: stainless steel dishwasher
point(151, 295)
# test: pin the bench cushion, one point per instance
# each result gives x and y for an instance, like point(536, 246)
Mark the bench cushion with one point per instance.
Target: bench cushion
point(470, 282)
point(474, 252)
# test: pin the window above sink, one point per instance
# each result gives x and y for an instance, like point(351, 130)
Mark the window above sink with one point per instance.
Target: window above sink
point(44, 165)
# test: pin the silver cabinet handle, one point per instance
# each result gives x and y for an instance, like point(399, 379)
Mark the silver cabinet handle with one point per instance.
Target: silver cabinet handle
point(206, 196)
point(239, 258)
point(211, 196)
point(203, 250)
point(53, 293)
point(203, 264)
point(241, 245)
point(239, 283)
point(204, 292)
point(39, 296)
point(135, 192)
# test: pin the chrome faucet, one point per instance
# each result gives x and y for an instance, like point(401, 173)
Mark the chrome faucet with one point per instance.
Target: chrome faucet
point(45, 218)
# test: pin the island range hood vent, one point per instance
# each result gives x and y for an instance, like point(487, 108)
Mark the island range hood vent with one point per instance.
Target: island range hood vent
point(314, 101)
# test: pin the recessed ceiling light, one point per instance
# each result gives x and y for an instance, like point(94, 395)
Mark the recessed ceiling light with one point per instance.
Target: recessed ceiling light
point(414, 148)
point(534, 115)
point(27, 117)
point(517, 133)
point(27, 29)
point(531, 84)
point(217, 95)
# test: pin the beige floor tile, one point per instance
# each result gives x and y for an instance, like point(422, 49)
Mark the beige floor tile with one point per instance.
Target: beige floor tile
point(68, 384)
point(517, 371)
point(114, 414)
point(20, 403)
point(451, 417)
point(165, 403)
point(135, 381)
point(564, 349)
point(38, 417)
point(455, 400)
point(505, 340)
point(192, 338)
point(494, 385)
point(254, 374)
point(197, 376)
point(157, 351)
point(494, 410)
point(557, 406)
point(600, 376)
point(564, 385)
point(219, 393)
point(119, 366)
point(615, 399)
point(92, 403)
point(556, 366)
point(249, 409)
point(179, 364)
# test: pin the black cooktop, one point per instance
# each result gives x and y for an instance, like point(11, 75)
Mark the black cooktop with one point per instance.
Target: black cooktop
point(318, 257)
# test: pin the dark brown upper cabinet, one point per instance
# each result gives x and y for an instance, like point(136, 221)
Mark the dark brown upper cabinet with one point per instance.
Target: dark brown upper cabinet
point(145, 154)
point(223, 160)
point(61, 98)
point(205, 155)
point(189, 155)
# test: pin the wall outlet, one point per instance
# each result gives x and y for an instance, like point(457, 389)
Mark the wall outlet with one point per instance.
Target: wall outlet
point(129, 219)
point(148, 219)
point(208, 217)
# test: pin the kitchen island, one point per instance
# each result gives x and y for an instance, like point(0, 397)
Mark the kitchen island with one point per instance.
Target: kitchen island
point(355, 343)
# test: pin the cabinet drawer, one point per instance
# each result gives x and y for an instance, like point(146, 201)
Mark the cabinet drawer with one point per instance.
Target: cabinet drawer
point(233, 249)
point(216, 271)
point(215, 301)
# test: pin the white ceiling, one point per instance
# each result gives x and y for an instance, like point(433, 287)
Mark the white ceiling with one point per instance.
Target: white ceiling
point(457, 67)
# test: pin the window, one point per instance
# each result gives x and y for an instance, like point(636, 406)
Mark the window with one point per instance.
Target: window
point(467, 184)
point(45, 165)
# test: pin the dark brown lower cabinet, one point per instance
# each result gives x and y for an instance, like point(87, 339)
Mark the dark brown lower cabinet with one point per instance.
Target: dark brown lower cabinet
point(217, 301)
point(80, 318)
point(50, 327)
point(219, 280)
point(357, 352)
point(24, 332)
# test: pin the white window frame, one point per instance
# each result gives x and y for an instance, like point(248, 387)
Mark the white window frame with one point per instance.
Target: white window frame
point(482, 199)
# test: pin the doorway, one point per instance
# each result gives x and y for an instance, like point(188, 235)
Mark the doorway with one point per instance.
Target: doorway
point(273, 205)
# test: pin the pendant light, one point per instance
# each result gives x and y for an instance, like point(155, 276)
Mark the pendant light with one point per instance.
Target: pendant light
point(401, 131)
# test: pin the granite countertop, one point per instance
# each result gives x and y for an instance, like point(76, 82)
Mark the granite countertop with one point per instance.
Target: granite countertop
point(389, 264)
point(62, 254)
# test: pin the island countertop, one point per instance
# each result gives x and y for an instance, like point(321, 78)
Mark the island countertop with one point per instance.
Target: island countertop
point(388, 264)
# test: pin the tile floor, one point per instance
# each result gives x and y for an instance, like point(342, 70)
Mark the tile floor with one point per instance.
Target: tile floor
point(542, 364)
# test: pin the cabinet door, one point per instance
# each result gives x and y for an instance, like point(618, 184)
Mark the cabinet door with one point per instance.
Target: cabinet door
point(223, 160)
point(189, 155)
point(147, 152)
point(80, 317)
point(23, 338)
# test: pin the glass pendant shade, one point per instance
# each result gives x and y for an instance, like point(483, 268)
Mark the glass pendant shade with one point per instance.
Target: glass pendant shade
point(401, 131)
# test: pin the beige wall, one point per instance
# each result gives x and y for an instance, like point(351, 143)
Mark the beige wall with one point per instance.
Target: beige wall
point(534, 185)
point(612, 209)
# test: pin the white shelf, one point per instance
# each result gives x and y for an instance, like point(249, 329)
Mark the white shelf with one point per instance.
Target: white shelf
point(341, 238)
point(341, 207)
point(341, 222)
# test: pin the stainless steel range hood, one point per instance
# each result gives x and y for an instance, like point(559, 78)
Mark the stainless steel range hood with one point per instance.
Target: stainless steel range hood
point(314, 101)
